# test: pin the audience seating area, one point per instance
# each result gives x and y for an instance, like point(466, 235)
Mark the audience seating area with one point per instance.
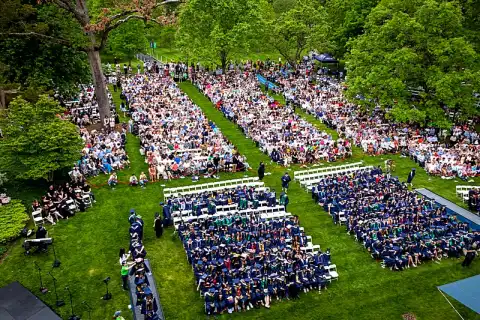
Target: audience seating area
point(396, 226)
point(244, 248)
point(308, 178)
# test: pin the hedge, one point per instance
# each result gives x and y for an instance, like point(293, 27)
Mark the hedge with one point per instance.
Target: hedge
point(13, 219)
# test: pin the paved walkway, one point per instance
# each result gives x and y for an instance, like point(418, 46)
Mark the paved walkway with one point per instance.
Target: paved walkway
point(133, 297)
point(473, 218)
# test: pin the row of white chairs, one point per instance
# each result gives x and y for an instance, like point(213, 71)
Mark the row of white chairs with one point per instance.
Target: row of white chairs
point(308, 183)
point(267, 211)
point(300, 175)
point(462, 191)
point(213, 186)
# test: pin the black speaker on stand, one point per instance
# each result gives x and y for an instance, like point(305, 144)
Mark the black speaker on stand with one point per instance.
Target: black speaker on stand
point(59, 302)
point(107, 295)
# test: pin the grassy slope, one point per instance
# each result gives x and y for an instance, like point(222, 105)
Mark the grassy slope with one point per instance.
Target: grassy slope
point(88, 244)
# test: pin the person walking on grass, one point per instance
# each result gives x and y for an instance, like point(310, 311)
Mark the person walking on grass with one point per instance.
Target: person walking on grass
point(158, 225)
point(285, 181)
point(261, 171)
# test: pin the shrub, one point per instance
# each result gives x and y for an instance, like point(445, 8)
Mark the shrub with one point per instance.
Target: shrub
point(13, 219)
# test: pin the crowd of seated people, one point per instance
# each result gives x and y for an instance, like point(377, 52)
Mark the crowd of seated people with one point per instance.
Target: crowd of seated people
point(104, 152)
point(459, 155)
point(176, 137)
point(65, 200)
point(243, 262)
point(276, 129)
point(138, 269)
point(83, 110)
point(207, 202)
point(396, 225)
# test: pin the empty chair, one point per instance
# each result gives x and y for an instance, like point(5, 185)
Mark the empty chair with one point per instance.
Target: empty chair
point(37, 217)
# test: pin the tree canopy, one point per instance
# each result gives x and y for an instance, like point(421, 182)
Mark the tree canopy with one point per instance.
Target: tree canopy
point(35, 64)
point(36, 141)
point(216, 30)
point(302, 28)
point(129, 39)
point(415, 59)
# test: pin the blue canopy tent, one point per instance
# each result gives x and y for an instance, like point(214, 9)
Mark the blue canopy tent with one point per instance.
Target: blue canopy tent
point(325, 58)
point(263, 80)
point(466, 291)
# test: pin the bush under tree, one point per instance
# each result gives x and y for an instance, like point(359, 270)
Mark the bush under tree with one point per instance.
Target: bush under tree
point(13, 219)
point(37, 142)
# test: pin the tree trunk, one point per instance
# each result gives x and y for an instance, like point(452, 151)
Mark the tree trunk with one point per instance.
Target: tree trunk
point(99, 83)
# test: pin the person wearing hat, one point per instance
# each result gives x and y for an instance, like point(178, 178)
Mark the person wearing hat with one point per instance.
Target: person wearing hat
point(158, 225)
point(285, 182)
point(117, 316)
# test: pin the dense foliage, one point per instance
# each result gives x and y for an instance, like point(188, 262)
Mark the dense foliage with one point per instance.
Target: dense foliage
point(36, 64)
point(36, 141)
point(128, 39)
point(216, 30)
point(415, 58)
point(13, 219)
point(300, 29)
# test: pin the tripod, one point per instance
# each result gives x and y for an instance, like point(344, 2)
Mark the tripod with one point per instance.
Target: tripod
point(42, 288)
point(73, 316)
point(59, 302)
point(89, 309)
point(57, 262)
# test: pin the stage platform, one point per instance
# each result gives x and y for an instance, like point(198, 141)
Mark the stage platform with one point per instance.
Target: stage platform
point(18, 303)
point(452, 208)
point(133, 297)
point(466, 291)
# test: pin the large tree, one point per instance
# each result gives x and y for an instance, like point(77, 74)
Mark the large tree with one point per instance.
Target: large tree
point(36, 142)
point(302, 28)
point(96, 19)
point(347, 18)
point(217, 30)
point(32, 65)
point(414, 59)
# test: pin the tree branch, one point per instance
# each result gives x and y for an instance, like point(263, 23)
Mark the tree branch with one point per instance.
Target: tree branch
point(61, 41)
point(69, 7)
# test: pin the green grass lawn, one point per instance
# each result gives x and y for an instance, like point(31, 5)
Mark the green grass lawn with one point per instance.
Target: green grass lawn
point(88, 247)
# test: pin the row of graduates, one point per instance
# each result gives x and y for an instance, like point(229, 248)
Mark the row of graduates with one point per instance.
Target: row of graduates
point(138, 269)
point(240, 262)
point(207, 202)
point(394, 224)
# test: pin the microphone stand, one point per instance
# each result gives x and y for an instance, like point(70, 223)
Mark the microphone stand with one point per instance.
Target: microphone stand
point(42, 288)
point(89, 309)
point(73, 316)
point(57, 262)
point(59, 302)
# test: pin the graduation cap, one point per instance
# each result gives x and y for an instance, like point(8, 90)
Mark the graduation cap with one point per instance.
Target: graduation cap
point(212, 290)
point(132, 210)
point(200, 262)
point(147, 291)
point(204, 276)
point(161, 203)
